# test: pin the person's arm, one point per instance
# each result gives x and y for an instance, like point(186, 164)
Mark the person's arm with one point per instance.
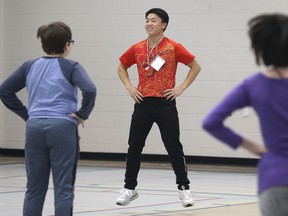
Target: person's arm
point(89, 91)
point(214, 122)
point(253, 147)
point(8, 89)
point(191, 76)
point(124, 77)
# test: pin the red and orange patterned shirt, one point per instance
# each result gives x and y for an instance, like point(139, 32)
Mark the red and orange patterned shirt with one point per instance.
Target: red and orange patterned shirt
point(152, 83)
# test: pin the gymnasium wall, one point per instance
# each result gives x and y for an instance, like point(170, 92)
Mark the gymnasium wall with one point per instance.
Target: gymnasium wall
point(214, 30)
point(1, 70)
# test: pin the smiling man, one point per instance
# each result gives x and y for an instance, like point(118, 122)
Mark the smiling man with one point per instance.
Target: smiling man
point(155, 101)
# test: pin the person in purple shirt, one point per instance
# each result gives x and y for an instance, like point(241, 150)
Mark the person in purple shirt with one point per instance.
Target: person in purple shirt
point(267, 93)
point(52, 118)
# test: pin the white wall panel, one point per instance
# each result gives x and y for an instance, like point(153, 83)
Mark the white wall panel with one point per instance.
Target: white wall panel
point(214, 30)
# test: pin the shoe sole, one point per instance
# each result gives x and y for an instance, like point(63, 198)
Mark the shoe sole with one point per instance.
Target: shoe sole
point(125, 204)
point(188, 205)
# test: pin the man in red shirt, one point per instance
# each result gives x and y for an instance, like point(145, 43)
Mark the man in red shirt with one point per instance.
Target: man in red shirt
point(156, 58)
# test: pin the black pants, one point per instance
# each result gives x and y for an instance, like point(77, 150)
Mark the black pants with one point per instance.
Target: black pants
point(164, 114)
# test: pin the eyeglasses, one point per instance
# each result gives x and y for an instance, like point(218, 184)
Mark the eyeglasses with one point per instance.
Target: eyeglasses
point(72, 42)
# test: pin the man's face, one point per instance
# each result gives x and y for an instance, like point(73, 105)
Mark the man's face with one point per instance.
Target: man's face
point(154, 25)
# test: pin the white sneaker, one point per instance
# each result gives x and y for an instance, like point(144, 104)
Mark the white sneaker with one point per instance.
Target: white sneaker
point(126, 196)
point(186, 197)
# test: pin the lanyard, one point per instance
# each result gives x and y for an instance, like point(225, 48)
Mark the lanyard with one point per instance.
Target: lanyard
point(147, 48)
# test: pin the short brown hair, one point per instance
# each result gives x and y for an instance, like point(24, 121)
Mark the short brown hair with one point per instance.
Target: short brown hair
point(54, 37)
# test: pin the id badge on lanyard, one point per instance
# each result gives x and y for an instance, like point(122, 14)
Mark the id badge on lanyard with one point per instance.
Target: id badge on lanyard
point(157, 63)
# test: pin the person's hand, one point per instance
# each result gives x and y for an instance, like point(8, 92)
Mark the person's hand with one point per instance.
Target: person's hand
point(79, 120)
point(171, 94)
point(254, 148)
point(135, 94)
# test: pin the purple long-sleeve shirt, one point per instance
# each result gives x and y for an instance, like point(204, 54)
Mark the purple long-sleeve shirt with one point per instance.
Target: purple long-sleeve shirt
point(269, 98)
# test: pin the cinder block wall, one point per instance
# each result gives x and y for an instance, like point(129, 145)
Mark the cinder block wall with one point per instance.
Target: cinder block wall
point(1, 69)
point(214, 30)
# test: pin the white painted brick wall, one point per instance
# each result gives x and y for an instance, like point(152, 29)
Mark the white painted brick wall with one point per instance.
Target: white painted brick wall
point(214, 30)
point(1, 74)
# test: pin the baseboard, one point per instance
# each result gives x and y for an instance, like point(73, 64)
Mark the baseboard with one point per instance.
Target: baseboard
point(149, 158)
